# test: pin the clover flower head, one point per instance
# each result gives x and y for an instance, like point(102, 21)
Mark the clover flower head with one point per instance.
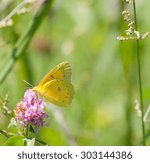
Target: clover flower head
point(30, 110)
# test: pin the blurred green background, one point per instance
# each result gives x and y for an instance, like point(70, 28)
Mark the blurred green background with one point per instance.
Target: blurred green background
point(104, 71)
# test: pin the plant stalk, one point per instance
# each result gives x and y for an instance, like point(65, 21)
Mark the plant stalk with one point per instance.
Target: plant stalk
point(26, 134)
point(24, 40)
point(139, 74)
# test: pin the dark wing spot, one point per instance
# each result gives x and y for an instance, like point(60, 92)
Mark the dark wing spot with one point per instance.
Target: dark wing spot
point(63, 101)
point(59, 89)
point(52, 76)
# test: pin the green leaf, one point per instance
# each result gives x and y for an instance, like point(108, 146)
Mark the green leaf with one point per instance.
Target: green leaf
point(16, 140)
point(52, 136)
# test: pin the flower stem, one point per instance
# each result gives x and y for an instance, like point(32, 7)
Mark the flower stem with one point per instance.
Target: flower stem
point(27, 130)
point(26, 134)
point(139, 74)
point(41, 141)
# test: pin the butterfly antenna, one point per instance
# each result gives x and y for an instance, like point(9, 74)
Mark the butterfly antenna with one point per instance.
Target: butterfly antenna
point(31, 86)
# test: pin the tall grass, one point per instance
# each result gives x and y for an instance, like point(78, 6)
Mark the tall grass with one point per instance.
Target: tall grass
point(139, 73)
point(25, 39)
point(132, 33)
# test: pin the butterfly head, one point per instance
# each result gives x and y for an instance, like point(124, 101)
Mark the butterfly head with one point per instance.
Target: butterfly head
point(35, 89)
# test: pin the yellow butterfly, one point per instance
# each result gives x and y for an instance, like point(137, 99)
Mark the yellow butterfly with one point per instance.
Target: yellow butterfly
point(56, 86)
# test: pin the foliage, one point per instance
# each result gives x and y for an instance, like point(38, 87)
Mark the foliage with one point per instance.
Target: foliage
point(104, 72)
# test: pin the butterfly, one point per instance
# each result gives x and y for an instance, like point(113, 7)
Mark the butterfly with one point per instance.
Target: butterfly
point(56, 86)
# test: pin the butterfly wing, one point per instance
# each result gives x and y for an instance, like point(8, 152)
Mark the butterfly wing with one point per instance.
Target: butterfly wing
point(57, 92)
point(60, 72)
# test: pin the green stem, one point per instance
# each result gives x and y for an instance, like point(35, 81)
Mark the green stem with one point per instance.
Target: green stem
point(41, 141)
point(25, 39)
point(26, 134)
point(6, 134)
point(27, 131)
point(139, 74)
